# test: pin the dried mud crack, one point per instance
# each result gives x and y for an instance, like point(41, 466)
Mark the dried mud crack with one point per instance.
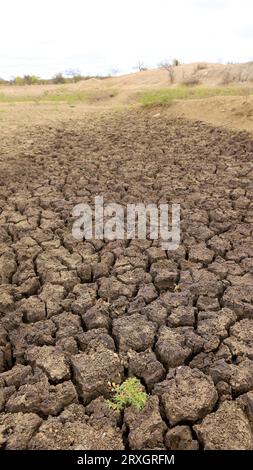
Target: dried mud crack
point(76, 316)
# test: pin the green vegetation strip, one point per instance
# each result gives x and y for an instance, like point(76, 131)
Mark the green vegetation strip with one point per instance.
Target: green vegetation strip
point(60, 97)
point(165, 96)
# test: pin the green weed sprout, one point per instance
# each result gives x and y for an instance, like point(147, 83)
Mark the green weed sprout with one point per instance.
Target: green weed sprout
point(129, 393)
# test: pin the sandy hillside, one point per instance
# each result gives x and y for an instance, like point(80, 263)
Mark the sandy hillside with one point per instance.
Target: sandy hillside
point(45, 103)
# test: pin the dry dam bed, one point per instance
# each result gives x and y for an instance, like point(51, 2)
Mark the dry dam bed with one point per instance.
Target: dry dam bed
point(77, 316)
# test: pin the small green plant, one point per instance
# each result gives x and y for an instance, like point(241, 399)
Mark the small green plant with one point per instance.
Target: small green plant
point(129, 393)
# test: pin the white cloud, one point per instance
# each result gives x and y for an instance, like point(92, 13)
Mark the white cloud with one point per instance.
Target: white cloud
point(96, 35)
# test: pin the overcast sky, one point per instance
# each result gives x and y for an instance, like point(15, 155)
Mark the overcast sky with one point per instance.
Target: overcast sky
point(97, 36)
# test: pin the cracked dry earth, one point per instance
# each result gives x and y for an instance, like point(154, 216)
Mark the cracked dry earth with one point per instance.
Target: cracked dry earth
point(77, 316)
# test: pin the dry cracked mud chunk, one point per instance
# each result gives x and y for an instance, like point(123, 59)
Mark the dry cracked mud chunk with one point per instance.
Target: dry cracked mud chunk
point(103, 268)
point(135, 276)
point(94, 373)
point(155, 254)
point(8, 265)
point(214, 327)
point(73, 412)
point(199, 231)
point(176, 299)
point(206, 283)
point(16, 429)
point(201, 254)
point(67, 325)
point(165, 274)
point(156, 312)
point(226, 429)
point(5, 393)
point(125, 263)
point(93, 338)
point(187, 395)
point(97, 316)
point(207, 303)
point(238, 376)
point(239, 299)
point(6, 299)
point(67, 345)
point(180, 438)
point(52, 295)
point(111, 289)
point(133, 332)
point(16, 376)
point(145, 366)
point(219, 245)
point(240, 341)
point(147, 292)
point(51, 360)
point(136, 306)
point(42, 398)
point(175, 345)
point(241, 379)
point(40, 333)
point(101, 414)
point(5, 350)
point(246, 403)
point(84, 272)
point(33, 309)
point(181, 316)
point(86, 295)
point(146, 427)
point(78, 435)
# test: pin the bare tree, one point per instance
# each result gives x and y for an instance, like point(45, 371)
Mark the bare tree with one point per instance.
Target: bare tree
point(140, 66)
point(166, 65)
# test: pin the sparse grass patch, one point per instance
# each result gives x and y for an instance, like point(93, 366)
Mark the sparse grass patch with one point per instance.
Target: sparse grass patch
point(166, 96)
point(129, 393)
point(62, 96)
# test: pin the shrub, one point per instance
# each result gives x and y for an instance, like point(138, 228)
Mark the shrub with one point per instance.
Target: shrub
point(129, 393)
point(59, 79)
point(31, 79)
point(176, 62)
point(169, 69)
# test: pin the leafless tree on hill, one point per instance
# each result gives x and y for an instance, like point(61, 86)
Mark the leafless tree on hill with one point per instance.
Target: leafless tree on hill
point(166, 65)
